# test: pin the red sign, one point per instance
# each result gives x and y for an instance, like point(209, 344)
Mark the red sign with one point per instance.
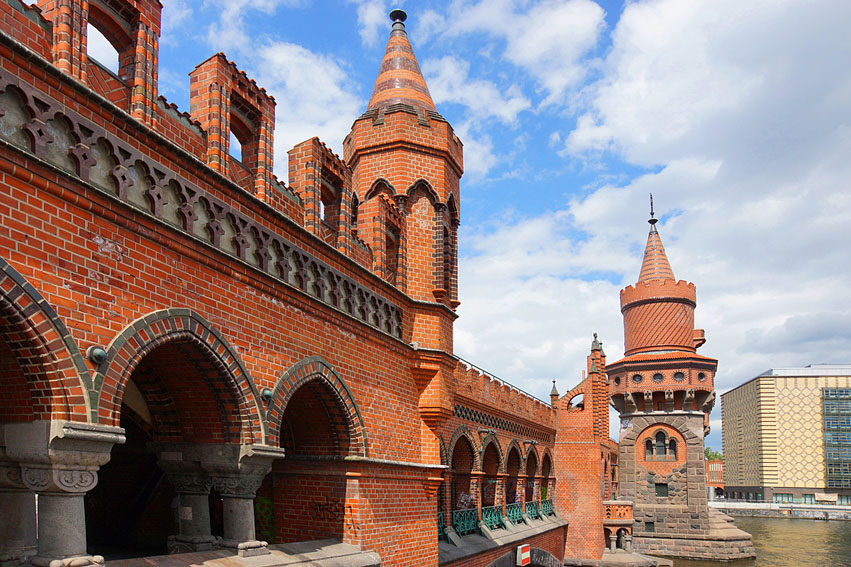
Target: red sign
point(524, 555)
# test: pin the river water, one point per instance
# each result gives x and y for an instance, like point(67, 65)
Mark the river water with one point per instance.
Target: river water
point(782, 542)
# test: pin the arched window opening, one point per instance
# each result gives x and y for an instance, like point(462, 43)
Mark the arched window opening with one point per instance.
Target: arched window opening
point(355, 205)
point(234, 147)
point(316, 434)
point(546, 467)
point(512, 469)
point(672, 448)
point(531, 472)
point(392, 253)
point(661, 445)
point(648, 449)
point(101, 50)
point(490, 466)
point(577, 401)
point(130, 511)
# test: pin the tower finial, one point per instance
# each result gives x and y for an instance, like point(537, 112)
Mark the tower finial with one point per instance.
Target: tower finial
point(652, 220)
point(398, 18)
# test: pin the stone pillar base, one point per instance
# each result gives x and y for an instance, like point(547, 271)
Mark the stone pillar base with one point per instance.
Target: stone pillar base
point(78, 561)
point(246, 548)
point(190, 544)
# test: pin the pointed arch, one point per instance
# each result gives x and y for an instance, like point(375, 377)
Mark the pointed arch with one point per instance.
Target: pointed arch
point(546, 456)
point(53, 369)
point(422, 185)
point(182, 326)
point(531, 452)
point(307, 370)
point(452, 207)
point(463, 431)
point(379, 186)
point(513, 444)
point(491, 439)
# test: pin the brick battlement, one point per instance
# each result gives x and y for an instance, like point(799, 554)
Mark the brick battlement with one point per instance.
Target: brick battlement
point(658, 290)
point(475, 384)
point(240, 77)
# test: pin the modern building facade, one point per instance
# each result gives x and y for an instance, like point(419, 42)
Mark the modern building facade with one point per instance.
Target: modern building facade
point(787, 436)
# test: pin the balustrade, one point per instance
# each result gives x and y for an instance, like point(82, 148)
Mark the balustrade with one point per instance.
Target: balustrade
point(514, 512)
point(533, 511)
point(465, 521)
point(547, 508)
point(492, 517)
point(441, 528)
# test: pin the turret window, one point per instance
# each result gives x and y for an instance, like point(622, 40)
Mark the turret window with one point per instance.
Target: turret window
point(637, 378)
point(679, 376)
point(660, 447)
point(658, 377)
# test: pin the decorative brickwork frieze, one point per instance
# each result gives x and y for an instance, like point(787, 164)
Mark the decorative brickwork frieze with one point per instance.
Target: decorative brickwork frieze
point(124, 172)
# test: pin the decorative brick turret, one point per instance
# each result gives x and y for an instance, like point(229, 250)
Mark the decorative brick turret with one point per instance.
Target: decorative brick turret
point(131, 27)
point(224, 100)
point(664, 392)
point(402, 149)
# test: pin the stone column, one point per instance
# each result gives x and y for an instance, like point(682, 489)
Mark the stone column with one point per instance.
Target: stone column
point(237, 471)
point(627, 542)
point(17, 510)
point(613, 541)
point(193, 509)
point(59, 461)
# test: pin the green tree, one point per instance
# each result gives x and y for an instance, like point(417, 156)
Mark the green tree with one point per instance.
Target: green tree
point(712, 455)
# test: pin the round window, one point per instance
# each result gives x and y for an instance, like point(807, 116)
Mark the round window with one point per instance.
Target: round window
point(679, 376)
point(657, 377)
point(618, 381)
point(636, 378)
point(701, 376)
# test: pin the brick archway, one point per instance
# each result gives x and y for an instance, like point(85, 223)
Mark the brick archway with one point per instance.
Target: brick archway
point(490, 439)
point(308, 370)
point(463, 431)
point(55, 379)
point(231, 383)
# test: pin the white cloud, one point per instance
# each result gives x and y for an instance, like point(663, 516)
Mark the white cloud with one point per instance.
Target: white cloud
point(302, 105)
point(372, 20)
point(547, 39)
point(229, 34)
point(741, 110)
point(175, 13)
point(448, 81)
point(99, 48)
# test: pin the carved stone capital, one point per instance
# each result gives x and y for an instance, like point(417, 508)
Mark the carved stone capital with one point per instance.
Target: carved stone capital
point(10, 476)
point(238, 486)
point(59, 479)
point(190, 482)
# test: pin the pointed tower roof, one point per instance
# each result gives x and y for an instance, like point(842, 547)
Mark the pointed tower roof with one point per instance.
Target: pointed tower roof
point(399, 79)
point(655, 265)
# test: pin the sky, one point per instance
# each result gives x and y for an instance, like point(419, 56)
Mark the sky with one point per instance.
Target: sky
point(735, 115)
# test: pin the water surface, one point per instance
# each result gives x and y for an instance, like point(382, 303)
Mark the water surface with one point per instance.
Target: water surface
point(782, 542)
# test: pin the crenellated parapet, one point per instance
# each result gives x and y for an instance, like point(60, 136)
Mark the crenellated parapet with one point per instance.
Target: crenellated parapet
point(474, 384)
point(658, 290)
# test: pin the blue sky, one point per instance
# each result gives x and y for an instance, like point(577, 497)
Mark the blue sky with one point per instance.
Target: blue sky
point(736, 115)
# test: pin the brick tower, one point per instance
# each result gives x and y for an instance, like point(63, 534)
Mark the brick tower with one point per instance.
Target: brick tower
point(664, 392)
point(406, 164)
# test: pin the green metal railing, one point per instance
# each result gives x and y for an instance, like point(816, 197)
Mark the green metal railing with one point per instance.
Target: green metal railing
point(514, 512)
point(492, 517)
point(441, 528)
point(532, 510)
point(547, 508)
point(465, 521)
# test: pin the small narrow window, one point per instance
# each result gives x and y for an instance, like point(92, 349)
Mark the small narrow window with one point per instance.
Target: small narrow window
point(661, 445)
point(650, 527)
point(648, 449)
point(662, 489)
point(672, 449)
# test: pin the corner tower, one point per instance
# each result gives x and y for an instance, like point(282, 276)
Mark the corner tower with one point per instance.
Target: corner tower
point(664, 391)
point(406, 166)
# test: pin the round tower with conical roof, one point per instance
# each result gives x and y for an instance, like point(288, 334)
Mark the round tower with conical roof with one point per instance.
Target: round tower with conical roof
point(664, 392)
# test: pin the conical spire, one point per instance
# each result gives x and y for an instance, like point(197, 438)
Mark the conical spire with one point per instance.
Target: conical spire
point(655, 265)
point(400, 79)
